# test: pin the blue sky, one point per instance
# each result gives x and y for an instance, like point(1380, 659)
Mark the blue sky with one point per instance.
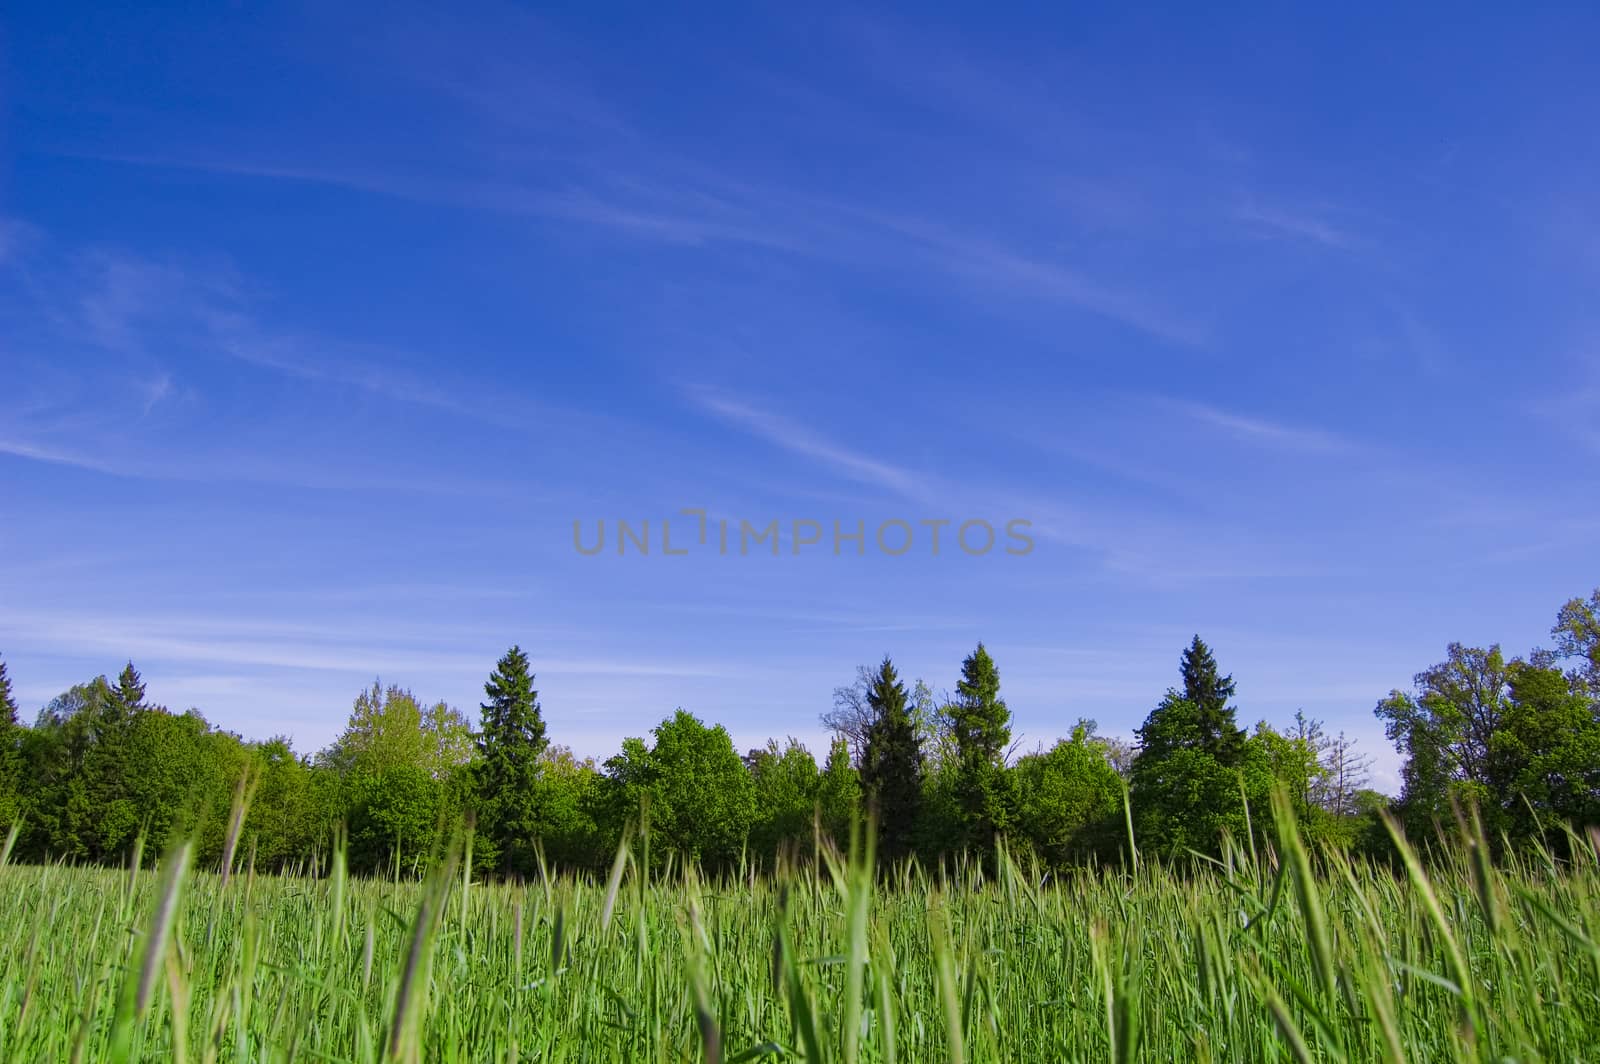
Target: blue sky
point(320, 329)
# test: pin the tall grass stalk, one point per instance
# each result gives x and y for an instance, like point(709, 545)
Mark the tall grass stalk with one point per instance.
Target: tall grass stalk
point(1287, 953)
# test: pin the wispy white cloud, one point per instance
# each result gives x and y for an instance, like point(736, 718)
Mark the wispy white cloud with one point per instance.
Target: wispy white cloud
point(1263, 432)
point(520, 151)
point(124, 293)
point(650, 204)
point(109, 326)
point(1297, 224)
point(797, 439)
point(228, 641)
point(994, 266)
point(17, 448)
point(155, 390)
point(670, 210)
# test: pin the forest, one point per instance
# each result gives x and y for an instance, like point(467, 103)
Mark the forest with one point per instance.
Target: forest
point(1517, 739)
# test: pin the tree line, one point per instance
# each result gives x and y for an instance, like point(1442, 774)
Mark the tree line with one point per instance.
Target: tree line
point(102, 765)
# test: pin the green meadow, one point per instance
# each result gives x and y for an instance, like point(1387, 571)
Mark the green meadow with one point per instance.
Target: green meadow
point(1272, 952)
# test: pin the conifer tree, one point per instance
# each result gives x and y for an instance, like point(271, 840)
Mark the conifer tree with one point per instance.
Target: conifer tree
point(1208, 691)
point(981, 725)
point(8, 702)
point(109, 760)
point(979, 717)
point(10, 750)
point(1186, 775)
point(891, 764)
point(511, 741)
point(128, 696)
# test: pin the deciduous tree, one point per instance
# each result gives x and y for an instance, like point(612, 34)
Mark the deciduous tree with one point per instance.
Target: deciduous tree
point(786, 782)
point(1069, 799)
point(701, 799)
point(1445, 732)
point(839, 792)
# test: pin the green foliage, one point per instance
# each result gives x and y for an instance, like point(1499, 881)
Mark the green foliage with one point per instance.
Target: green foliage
point(839, 792)
point(1577, 635)
point(1294, 760)
point(980, 724)
point(1195, 771)
point(285, 822)
point(1519, 740)
point(692, 785)
point(395, 818)
point(1275, 958)
point(1069, 800)
point(786, 797)
point(1546, 754)
point(10, 751)
point(1184, 797)
point(891, 764)
point(508, 768)
point(979, 719)
point(104, 766)
point(399, 772)
point(940, 836)
point(1208, 691)
point(127, 698)
point(8, 702)
point(570, 793)
point(389, 729)
point(1445, 731)
point(104, 773)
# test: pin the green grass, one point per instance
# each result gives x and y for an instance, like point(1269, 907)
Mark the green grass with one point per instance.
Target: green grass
point(1236, 961)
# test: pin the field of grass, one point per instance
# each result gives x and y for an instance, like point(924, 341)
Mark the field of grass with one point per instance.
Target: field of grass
point(1275, 955)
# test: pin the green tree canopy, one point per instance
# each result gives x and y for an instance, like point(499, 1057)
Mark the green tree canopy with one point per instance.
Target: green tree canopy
point(786, 782)
point(1546, 753)
point(839, 792)
point(1069, 799)
point(1186, 778)
point(699, 795)
point(1183, 797)
point(384, 731)
point(1577, 635)
point(1445, 730)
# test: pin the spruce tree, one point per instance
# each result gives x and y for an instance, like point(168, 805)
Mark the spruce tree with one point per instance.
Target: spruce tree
point(128, 696)
point(108, 766)
point(511, 741)
point(1185, 777)
point(979, 717)
point(891, 764)
point(10, 750)
point(1208, 691)
point(8, 702)
point(981, 725)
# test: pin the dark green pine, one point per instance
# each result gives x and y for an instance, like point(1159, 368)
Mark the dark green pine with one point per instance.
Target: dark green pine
point(891, 764)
